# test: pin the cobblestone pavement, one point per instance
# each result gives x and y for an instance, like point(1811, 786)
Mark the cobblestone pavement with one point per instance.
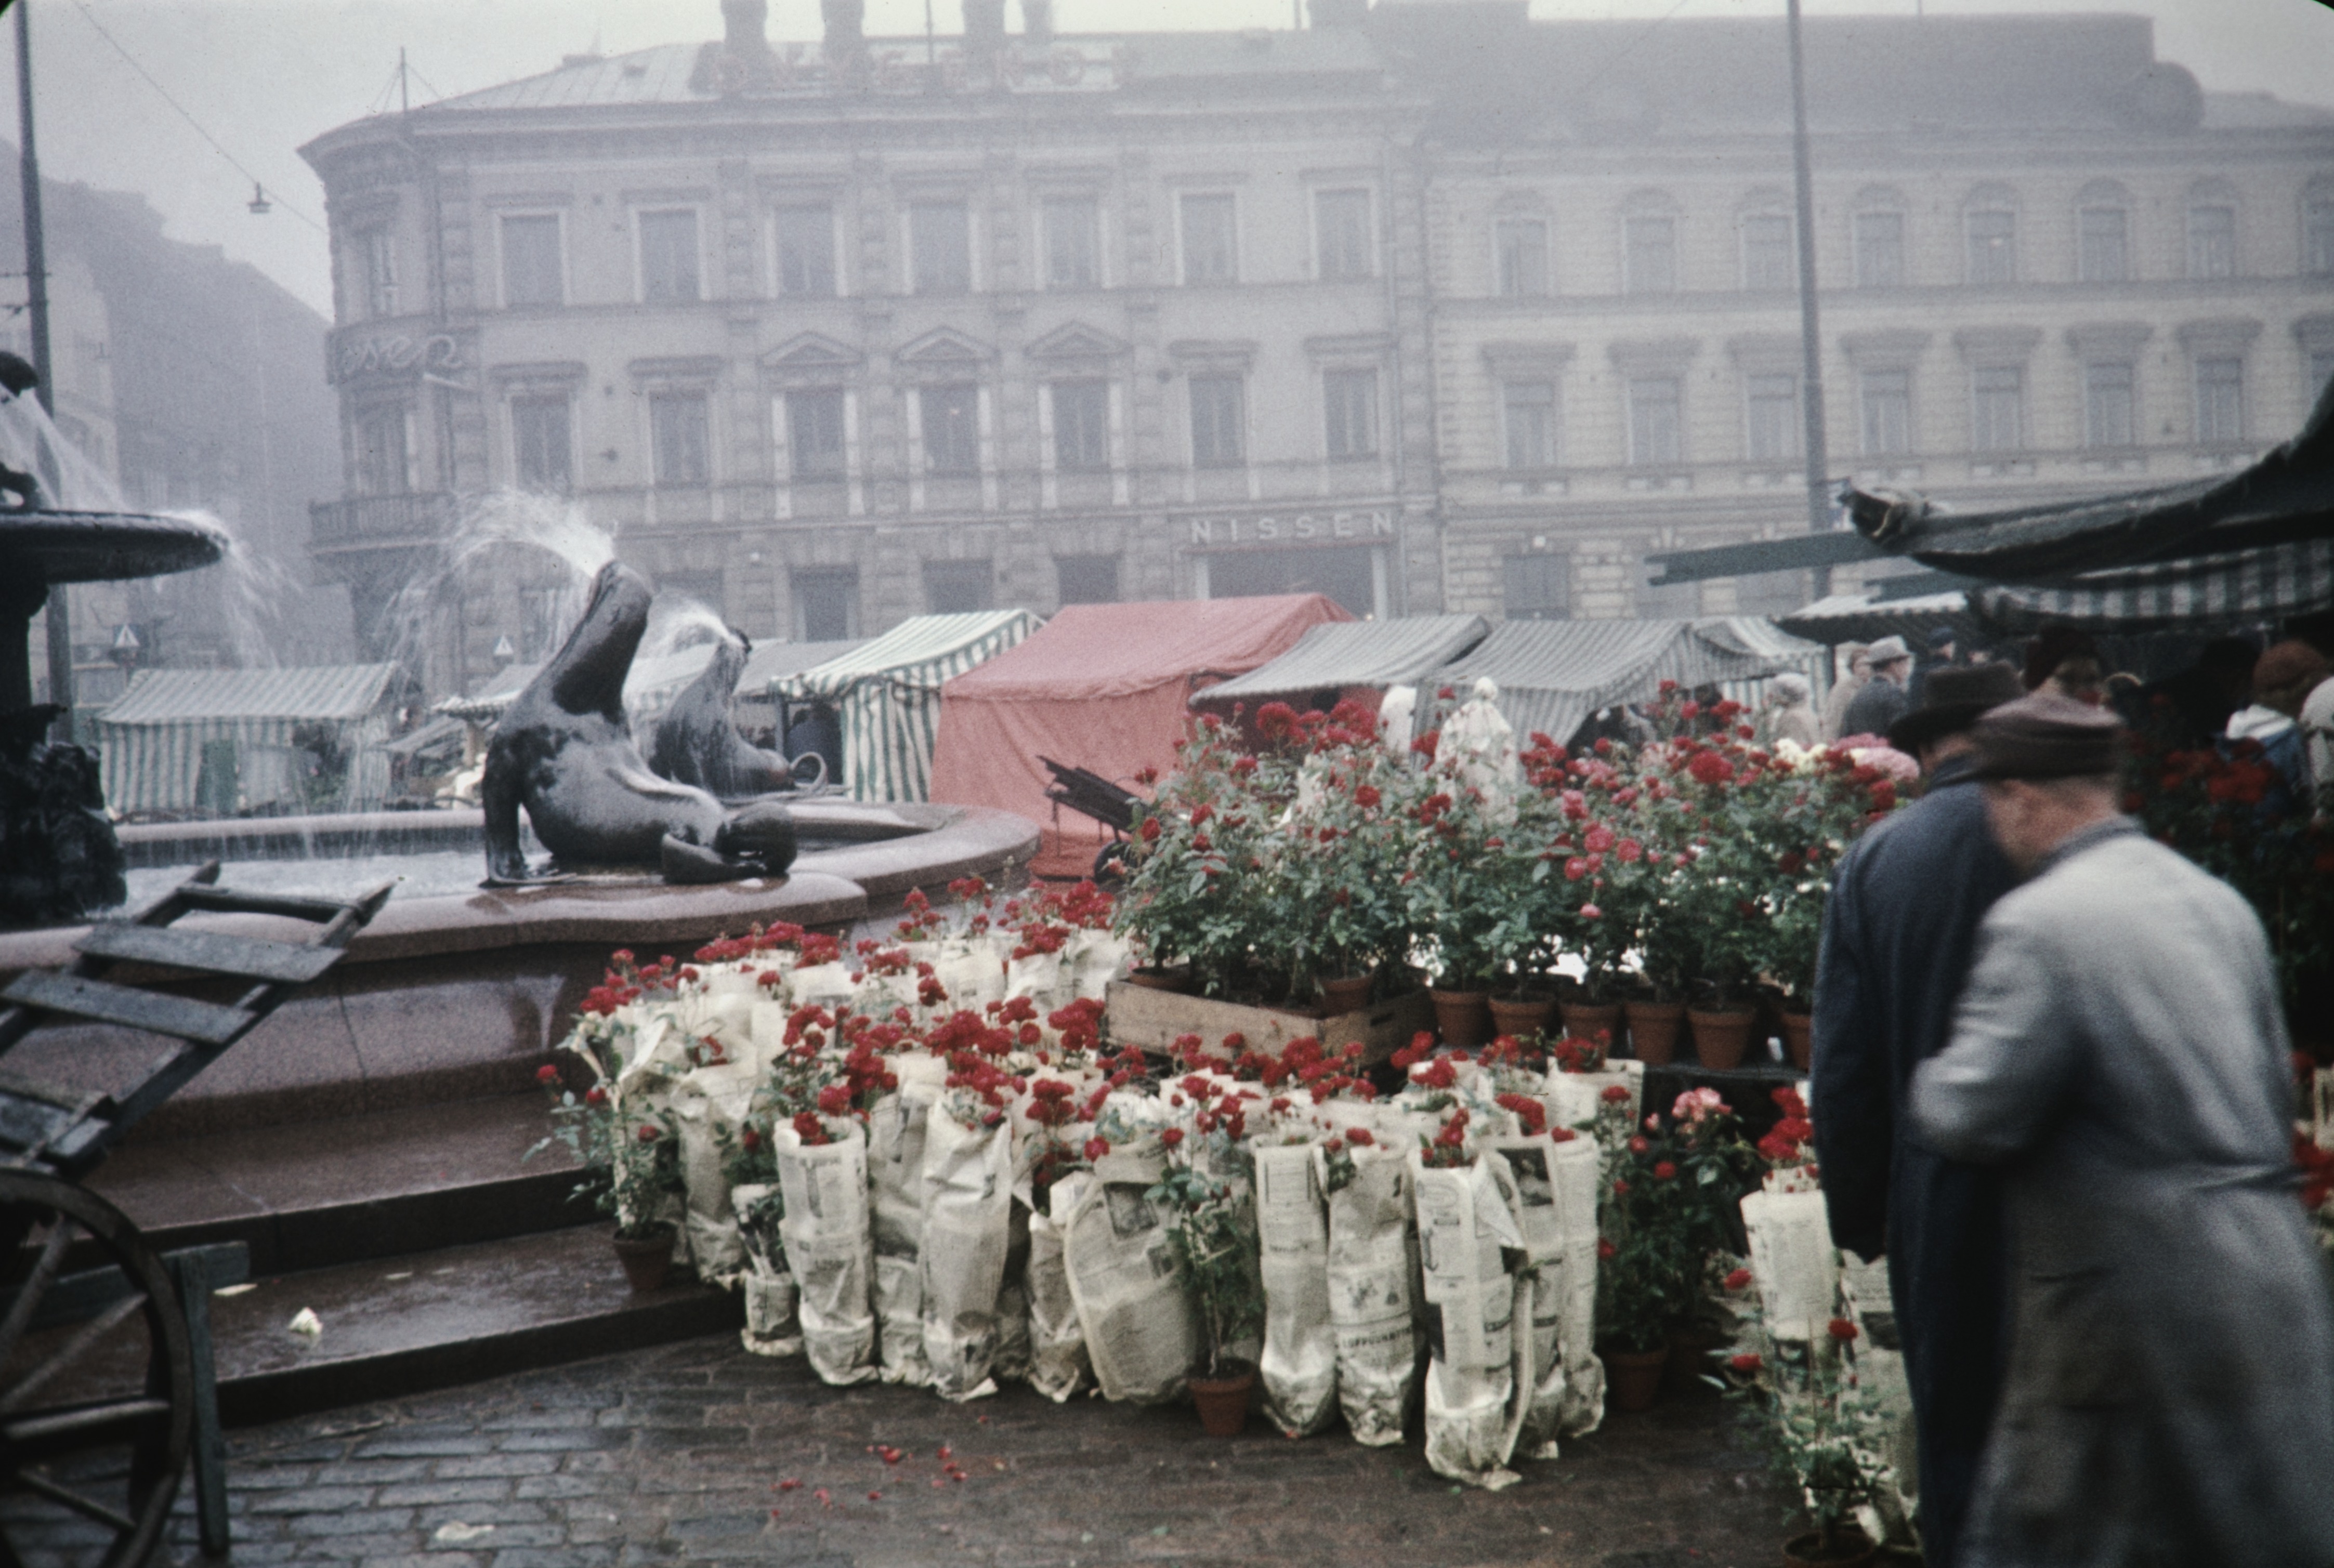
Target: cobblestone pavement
point(699, 1451)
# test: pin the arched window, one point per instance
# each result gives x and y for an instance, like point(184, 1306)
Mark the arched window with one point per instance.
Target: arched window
point(1649, 244)
point(1877, 233)
point(2103, 249)
point(1766, 237)
point(2212, 229)
point(1989, 228)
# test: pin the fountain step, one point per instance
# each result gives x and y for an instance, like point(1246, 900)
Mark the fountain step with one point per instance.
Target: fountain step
point(398, 1325)
point(315, 1194)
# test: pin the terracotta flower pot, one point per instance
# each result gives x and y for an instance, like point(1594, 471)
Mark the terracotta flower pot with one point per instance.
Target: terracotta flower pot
point(1463, 1019)
point(1654, 1031)
point(1522, 1013)
point(1851, 1548)
point(1223, 1401)
point(647, 1259)
point(1346, 994)
point(1634, 1378)
point(1155, 979)
point(1798, 1038)
point(1587, 1020)
point(1720, 1037)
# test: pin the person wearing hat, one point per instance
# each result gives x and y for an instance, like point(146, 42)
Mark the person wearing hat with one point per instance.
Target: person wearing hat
point(1883, 700)
point(1941, 647)
point(1844, 691)
point(1899, 928)
point(1789, 712)
point(2120, 1056)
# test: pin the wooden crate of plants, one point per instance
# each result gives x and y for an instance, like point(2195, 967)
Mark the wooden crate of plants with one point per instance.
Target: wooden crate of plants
point(1151, 1019)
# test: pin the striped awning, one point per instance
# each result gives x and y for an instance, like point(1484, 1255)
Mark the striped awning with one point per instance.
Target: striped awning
point(172, 725)
point(1344, 653)
point(2270, 582)
point(887, 692)
point(1553, 675)
point(1860, 617)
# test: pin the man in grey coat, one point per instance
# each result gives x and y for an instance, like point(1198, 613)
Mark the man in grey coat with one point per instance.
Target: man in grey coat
point(2119, 1055)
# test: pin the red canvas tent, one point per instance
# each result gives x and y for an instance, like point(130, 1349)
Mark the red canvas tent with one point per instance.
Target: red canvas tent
point(1102, 687)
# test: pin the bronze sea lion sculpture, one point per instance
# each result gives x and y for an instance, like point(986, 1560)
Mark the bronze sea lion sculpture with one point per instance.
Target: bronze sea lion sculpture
point(694, 743)
point(564, 751)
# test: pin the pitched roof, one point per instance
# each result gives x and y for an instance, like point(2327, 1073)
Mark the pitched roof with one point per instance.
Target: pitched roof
point(1360, 653)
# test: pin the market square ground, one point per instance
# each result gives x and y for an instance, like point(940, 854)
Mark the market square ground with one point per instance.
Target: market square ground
point(677, 1454)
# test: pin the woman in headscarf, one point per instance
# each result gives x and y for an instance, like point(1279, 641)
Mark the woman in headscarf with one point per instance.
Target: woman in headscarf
point(1789, 712)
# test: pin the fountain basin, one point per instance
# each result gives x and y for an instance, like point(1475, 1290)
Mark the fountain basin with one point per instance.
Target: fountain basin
point(449, 996)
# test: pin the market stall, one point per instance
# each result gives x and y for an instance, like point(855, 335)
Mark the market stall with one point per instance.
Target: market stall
point(886, 694)
point(1104, 687)
point(224, 741)
point(1352, 659)
point(1553, 675)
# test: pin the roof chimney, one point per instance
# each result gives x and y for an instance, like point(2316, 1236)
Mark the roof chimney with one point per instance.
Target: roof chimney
point(984, 36)
point(846, 37)
point(1038, 22)
point(744, 62)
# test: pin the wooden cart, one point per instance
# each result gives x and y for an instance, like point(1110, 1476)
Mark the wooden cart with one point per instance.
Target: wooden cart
point(80, 1288)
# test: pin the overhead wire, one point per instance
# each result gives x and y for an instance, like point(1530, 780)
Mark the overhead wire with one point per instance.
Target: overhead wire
point(216, 146)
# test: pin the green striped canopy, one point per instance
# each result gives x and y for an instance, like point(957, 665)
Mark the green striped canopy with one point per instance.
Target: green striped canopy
point(156, 739)
point(888, 695)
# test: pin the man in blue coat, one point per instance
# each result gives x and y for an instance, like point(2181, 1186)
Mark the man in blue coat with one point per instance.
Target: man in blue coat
point(1899, 931)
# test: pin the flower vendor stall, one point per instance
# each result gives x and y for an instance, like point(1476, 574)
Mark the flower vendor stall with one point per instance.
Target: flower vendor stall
point(1353, 658)
point(1102, 687)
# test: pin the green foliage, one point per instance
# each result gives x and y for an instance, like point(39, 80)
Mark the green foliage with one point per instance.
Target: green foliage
point(1215, 1244)
point(631, 1160)
point(1671, 1203)
point(1825, 1436)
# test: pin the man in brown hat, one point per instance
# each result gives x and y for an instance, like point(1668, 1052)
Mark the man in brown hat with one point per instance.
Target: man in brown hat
point(1882, 701)
point(2121, 1056)
point(1898, 932)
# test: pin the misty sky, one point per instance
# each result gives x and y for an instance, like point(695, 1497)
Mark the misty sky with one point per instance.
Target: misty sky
point(262, 76)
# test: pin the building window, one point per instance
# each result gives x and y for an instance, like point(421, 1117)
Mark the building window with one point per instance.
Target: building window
point(1656, 433)
point(377, 269)
point(681, 438)
point(1886, 398)
point(1773, 408)
point(2318, 235)
point(1768, 260)
point(1998, 409)
point(1350, 399)
point(957, 587)
point(826, 604)
point(1081, 426)
point(1086, 579)
point(668, 256)
point(2212, 241)
point(1218, 422)
point(531, 273)
point(2103, 246)
point(539, 443)
point(1523, 257)
point(2109, 408)
point(1879, 239)
point(951, 428)
point(806, 252)
point(940, 237)
point(1537, 587)
point(2220, 401)
point(1529, 408)
point(383, 465)
point(1073, 242)
point(1211, 240)
point(1650, 259)
point(814, 444)
point(1992, 246)
point(1341, 222)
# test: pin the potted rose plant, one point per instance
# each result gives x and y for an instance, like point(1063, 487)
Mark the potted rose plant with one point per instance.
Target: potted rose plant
point(1826, 1438)
point(631, 1164)
point(1214, 1244)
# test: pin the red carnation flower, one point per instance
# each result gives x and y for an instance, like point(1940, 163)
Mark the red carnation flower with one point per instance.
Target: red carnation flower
point(546, 1073)
point(1615, 1094)
point(1097, 1148)
point(1841, 1329)
point(1604, 1248)
point(1172, 1136)
point(1740, 1278)
point(1745, 1364)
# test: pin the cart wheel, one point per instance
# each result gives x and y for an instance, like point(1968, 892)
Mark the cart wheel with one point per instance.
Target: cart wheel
point(96, 1410)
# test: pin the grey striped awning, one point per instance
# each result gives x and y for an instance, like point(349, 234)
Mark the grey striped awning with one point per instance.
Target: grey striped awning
point(157, 738)
point(1554, 674)
point(1345, 653)
point(887, 693)
point(2269, 583)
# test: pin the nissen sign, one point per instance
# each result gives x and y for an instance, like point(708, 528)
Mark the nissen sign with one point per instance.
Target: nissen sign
point(1295, 527)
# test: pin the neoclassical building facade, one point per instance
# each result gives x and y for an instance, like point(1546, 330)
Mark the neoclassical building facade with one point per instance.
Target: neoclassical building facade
point(1434, 308)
